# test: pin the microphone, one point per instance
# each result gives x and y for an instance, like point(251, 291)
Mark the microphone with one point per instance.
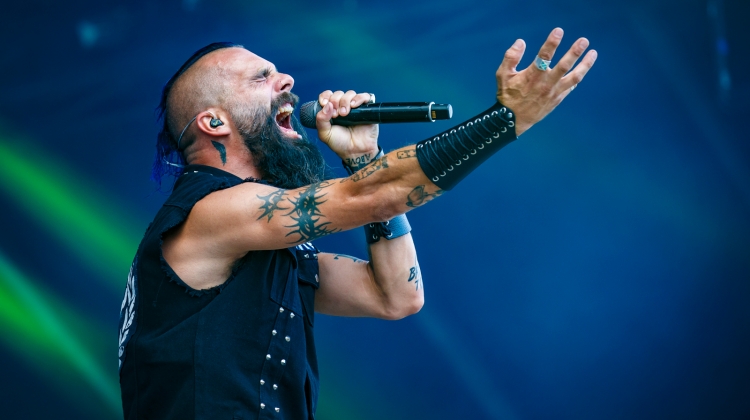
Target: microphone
point(379, 113)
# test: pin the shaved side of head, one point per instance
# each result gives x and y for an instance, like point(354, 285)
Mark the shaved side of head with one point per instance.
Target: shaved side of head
point(178, 106)
point(202, 86)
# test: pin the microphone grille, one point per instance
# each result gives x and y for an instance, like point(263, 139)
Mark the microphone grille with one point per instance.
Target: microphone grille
point(307, 113)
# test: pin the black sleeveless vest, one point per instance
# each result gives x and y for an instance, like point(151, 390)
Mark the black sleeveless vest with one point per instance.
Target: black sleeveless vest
point(241, 350)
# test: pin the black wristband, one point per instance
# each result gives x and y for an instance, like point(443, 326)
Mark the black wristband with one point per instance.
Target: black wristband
point(451, 155)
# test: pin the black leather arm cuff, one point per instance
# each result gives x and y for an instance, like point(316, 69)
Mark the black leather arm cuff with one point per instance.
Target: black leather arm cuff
point(450, 156)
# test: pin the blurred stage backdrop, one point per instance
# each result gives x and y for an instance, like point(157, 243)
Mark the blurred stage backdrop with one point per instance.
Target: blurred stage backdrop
point(598, 268)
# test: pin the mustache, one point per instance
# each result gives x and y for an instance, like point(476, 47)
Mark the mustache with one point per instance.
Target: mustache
point(283, 98)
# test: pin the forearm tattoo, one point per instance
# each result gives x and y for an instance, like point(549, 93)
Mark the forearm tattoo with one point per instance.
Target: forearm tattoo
point(414, 274)
point(419, 196)
point(406, 154)
point(360, 161)
point(304, 211)
point(368, 170)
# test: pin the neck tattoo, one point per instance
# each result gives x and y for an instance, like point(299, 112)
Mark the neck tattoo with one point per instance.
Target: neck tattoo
point(222, 151)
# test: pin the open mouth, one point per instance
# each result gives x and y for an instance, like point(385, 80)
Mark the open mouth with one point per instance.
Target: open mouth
point(284, 120)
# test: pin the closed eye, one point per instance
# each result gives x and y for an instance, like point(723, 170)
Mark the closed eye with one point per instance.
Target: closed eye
point(261, 76)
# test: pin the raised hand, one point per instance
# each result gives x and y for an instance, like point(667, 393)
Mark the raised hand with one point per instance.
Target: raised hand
point(349, 143)
point(535, 91)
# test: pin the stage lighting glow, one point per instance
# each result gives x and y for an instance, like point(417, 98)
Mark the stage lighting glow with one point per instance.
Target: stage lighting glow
point(38, 328)
point(85, 221)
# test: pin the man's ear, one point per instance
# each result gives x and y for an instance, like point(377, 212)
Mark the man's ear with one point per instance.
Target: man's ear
point(213, 123)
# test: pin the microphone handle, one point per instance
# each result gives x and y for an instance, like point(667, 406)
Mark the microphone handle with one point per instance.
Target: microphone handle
point(388, 112)
point(395, 112)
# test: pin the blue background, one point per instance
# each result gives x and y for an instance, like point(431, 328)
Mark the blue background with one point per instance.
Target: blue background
point(599, 267)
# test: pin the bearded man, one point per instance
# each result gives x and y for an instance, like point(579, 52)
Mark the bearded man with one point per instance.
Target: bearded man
point(218, 315)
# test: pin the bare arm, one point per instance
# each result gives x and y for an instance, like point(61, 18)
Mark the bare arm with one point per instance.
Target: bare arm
point(387, 287)
point(227, 224)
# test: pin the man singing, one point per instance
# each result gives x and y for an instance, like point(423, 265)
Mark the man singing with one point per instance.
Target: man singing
point(218, 315)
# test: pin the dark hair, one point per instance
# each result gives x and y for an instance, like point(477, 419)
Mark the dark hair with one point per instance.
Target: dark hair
point(168, 159)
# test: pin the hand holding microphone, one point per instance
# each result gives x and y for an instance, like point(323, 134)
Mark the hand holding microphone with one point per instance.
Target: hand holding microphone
point(358, 117)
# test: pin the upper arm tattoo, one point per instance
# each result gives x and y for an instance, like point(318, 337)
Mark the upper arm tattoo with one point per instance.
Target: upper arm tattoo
point(307, 216)
point(304, 211)
point(349, 257)
point(271, 203)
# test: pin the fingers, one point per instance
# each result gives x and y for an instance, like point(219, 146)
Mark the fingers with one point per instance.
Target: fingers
point(569, 59)
point(572, 79)
point(361, 98)
point(342, 101)
point(323, 97)
point(550, 45)
point(512, 57)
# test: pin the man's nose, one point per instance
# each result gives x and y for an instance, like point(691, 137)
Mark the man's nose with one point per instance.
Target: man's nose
point(284, 83)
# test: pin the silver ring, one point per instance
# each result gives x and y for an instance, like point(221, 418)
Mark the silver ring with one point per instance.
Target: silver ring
point(541, 63)
point(573, 87)
point(372, 98)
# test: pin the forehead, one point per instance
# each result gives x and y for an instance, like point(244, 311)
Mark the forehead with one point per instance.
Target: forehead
point(238, 61)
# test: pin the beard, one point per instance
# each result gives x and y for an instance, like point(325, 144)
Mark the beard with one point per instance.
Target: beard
point(283, 162)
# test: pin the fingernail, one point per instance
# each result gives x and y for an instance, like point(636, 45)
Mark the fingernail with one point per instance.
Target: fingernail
point(557, 32)
point(517, 44)
point(343, 109)
point(324, 102)
point(351, 103)
point(594, 54)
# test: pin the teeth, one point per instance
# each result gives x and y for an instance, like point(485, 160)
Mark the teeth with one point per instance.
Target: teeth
point(285, 109)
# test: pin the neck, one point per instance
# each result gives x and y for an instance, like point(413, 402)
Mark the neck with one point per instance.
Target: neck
point(236, 160)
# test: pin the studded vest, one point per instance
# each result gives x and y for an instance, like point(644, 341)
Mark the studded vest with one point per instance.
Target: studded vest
point(241, 350)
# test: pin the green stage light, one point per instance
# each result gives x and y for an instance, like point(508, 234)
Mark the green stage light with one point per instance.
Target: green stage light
point(82, 218)
point(56, 342)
